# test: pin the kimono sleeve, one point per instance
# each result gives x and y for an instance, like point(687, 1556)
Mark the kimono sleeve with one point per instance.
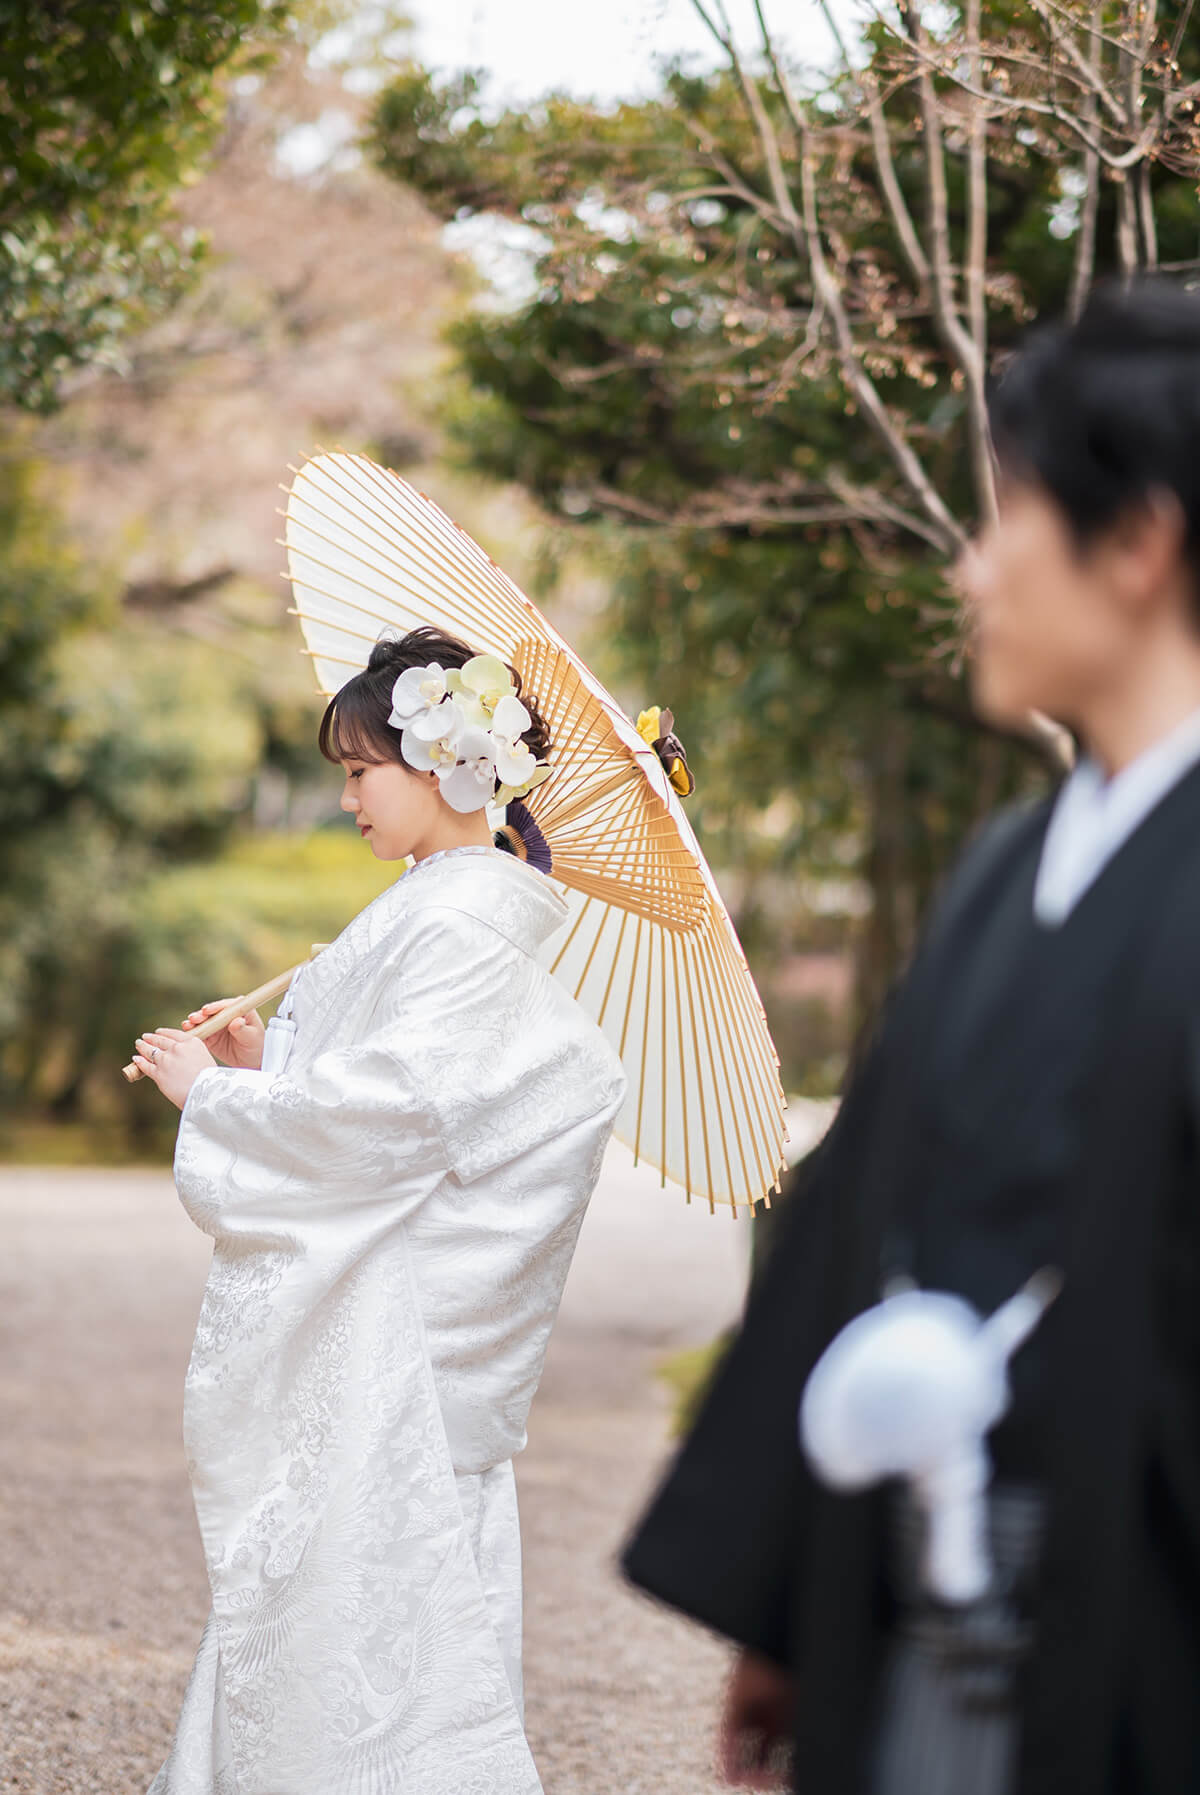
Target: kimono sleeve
point(445, 1059)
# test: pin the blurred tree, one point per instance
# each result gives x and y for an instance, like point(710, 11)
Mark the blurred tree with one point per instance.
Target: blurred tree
point(764, 310)
point(124, 747)
point(106, 107)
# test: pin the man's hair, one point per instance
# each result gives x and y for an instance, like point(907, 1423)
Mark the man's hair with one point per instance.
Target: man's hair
point(1106, 411)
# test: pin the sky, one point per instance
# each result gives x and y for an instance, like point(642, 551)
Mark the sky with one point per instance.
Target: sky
point(598, 49)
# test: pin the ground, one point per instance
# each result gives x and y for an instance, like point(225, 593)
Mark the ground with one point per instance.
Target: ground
point(102, 1589)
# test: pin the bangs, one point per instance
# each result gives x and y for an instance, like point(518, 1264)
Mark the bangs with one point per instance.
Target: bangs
point(353, 727)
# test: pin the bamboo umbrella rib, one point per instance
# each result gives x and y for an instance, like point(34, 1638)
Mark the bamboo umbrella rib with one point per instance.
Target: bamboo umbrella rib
point(383, 558)
point(624, 834)
point(496, 617)
point(582, 723)
point(510, 591)
point(337, 660)
point(687, 1152)
point(580, 718)
point(341, 629)
point(570, 811)
point(699, 1065)
point(485, 567)
point(425, 607)
point(637, 952)
point(747, 1124)
point(571, 746)
point(569, 816)
point(350, 604)
point(397, 501)
point(570, 751)
point(570, 820)
point(393, 519)
point(632, 855)
point(585, 721)
point(735, 993)
point(583, 977)
point(612, 971)
point(717, 1104)
point(427, 547)
point(684, 911)
point(637, 1137)
point(575, 927)
point(577, 808)
point(729, 1086)
point(662, 1064)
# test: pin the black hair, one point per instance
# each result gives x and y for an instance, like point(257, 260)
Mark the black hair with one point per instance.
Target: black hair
point(1105, 411)
point(355, 725)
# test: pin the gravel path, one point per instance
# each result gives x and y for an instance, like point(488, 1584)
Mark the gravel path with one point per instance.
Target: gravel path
point(102, 1587)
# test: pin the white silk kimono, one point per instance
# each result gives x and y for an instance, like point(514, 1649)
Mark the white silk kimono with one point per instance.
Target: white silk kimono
point(393, 1215)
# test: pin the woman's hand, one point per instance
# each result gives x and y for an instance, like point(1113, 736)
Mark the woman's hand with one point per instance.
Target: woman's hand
point(757, 1725)
point(173, 1062)
point(241, 1044)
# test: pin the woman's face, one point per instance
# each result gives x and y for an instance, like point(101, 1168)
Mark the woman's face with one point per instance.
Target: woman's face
point(394, 808)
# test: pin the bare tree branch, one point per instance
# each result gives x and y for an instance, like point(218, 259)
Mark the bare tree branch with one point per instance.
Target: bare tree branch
point(1145, 198)
point(809, 345)
point(965, 349)
point(806, 234)
point(1085, 64)
point(881, 143)
point(1083, 270)
point(1017, 103)
point(1127, 236)
point(975, 273)
point(763, 506)
point(952, 537)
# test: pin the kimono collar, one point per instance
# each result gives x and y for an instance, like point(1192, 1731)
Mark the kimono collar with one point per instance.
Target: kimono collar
point(511, 897)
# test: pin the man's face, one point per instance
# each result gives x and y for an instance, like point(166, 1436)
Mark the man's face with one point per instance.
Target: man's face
point(1049, 629)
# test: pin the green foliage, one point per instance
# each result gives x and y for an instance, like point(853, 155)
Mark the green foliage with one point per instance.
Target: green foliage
point(688, 1375)
point(212, 929)
point(45, 596)
point(106, 107)
point(130, 946)
point(122, 748)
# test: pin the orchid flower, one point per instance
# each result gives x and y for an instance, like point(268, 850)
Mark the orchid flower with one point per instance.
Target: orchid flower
point(428, 753)
point(514, 759)
point(416, 692)
point(516, 764)
point(469, 784)
point(480, 687)
point(508, 794)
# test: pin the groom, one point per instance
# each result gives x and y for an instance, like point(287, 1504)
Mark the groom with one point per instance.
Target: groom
point(1031, 1100)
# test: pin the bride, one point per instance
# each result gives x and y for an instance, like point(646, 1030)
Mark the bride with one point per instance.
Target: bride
point(394, 1198)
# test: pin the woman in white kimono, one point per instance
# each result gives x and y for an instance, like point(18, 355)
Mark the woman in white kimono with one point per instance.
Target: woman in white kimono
point(394, 1202)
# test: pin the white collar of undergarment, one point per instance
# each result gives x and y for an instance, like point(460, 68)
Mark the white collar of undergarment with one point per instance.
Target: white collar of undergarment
point(1094, 817)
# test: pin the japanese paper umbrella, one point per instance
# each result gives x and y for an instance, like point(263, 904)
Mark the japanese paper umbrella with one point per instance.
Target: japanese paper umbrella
point(649, 949)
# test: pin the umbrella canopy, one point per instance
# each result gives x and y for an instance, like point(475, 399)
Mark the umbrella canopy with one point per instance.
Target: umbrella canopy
point(649, 951)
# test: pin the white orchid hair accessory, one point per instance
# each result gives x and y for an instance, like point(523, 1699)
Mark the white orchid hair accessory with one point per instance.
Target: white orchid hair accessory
point(466, 724)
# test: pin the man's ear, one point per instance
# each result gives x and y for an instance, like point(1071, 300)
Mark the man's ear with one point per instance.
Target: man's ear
point(1143, 549)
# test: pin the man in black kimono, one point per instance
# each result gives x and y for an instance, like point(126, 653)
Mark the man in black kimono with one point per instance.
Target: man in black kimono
point(1031, 1099)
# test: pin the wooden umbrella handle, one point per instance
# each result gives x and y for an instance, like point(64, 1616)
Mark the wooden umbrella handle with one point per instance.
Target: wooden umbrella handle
point(237, 1006)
